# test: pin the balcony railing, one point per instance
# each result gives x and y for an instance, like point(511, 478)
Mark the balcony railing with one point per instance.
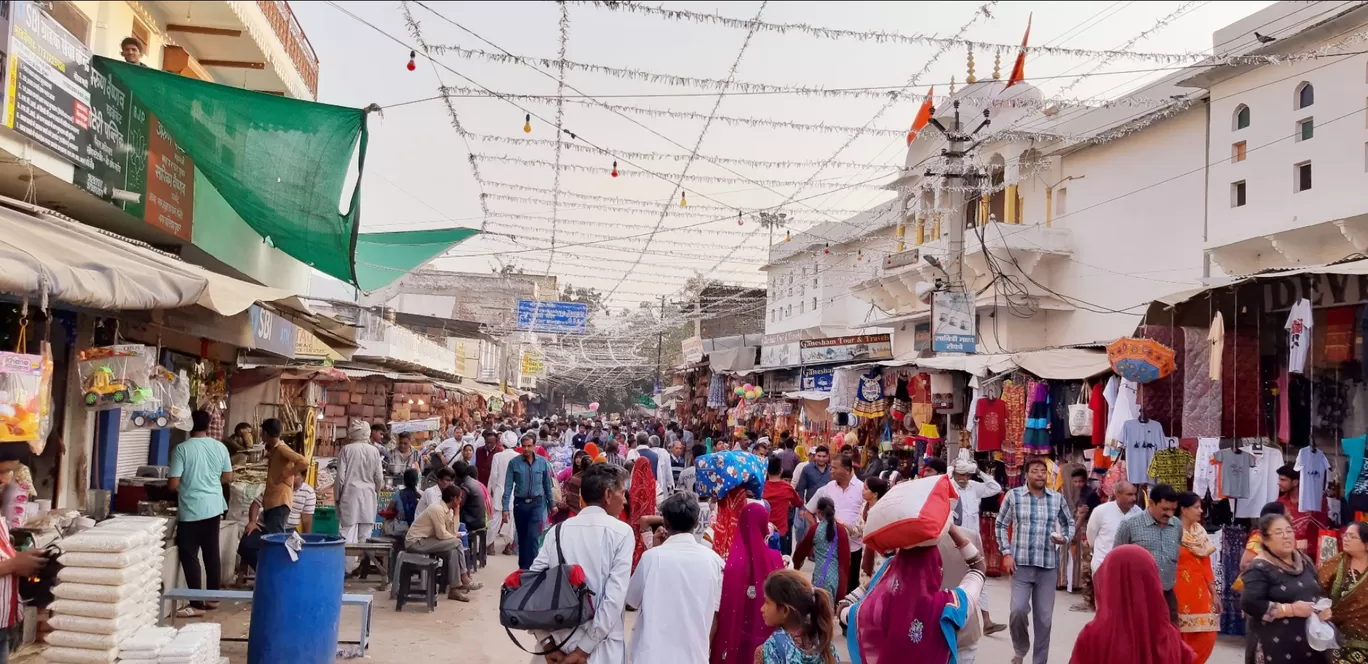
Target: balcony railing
point(291, 34)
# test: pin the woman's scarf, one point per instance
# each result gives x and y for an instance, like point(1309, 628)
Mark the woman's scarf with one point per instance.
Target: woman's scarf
point(1350, 599)
point(1196, 540)
point(728, 514)
point(903, 617)
point(642, 497)
point(740, 628)
point(1132, 624)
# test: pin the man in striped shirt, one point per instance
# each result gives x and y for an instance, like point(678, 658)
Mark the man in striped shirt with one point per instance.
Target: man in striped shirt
point(1038, 520)
point(302, 509)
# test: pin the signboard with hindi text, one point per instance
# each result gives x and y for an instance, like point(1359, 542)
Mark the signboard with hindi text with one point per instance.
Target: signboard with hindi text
point(552, 317)
point(47, 83)
point(954, 327)
point(858, 348)
point(692, 349)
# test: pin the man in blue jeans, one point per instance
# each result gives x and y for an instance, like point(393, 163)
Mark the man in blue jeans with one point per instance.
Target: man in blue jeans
point(527, 488)
point(1039, 520)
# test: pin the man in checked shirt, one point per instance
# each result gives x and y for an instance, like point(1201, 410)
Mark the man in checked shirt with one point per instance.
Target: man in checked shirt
point(1038, 520)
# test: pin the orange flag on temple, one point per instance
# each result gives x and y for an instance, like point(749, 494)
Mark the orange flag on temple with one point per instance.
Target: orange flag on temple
point(1019, 69)
point(923, 116)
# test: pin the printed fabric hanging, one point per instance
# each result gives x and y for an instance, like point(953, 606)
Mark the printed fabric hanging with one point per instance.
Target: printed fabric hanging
point(869, 401)
point(1140, 360)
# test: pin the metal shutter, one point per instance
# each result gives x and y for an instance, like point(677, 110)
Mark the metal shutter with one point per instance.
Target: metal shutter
point(133, 447)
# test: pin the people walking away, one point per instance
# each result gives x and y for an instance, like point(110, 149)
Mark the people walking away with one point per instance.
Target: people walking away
point(787, 452)
point(1155, 531)
point(1032, 524)
point(907, 615)
point(783, 504)
point(688, 478)
point(527, 491)
point(828, 545)
point(1199, 608)
point(434, 533)
point(1280, 591)
point(641, 502)
point(281, 465)
point(1103, 524)
point(600, 544)
point(972, 493)
point(1341, 579)
point(677, 588)
point(200, 468)
point(359, 477)
point(570, 488)
point(1131, 625)
point(740, 627)
point(802, 620)
point(848, 495)
point(811, 477)
point(498, 478)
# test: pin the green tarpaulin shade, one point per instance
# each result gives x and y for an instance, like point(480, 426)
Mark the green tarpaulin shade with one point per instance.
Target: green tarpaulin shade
point(282, 164)
point(381, 258)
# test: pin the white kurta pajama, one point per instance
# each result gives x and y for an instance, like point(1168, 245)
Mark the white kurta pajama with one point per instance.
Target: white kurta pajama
point(497, 477)
point(359, 475)
point(602, 546)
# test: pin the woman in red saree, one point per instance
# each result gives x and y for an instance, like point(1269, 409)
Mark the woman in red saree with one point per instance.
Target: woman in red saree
point(725, 525)
point(641, 502)
point(740, 627)
point(1132, 624)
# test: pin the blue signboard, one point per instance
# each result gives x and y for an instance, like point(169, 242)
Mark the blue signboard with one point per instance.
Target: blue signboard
point(553, 317)
point(272, 333)
point(818, 378)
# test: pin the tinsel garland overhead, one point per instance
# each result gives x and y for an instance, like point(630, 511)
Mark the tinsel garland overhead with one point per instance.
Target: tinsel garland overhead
point(716, 179)
point(672, 156)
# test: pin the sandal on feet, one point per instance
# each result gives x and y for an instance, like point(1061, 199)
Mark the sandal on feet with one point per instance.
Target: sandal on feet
point(189, 612)
point(993, 629)
point(210, 606)
point(472, 586)
point(457, 595)
point(1081, 608)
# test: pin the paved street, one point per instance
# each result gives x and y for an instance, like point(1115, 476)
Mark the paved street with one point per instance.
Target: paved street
point(471, 634)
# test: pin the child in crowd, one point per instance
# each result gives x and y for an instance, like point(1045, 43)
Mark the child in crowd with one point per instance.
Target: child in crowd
point(803, 620)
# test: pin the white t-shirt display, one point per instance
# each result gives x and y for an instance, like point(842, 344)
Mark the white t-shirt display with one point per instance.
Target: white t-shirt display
point(1263, 482)
point(1314, 469)
point(1216, 337)
point(1141, 440)
point(1298, 335)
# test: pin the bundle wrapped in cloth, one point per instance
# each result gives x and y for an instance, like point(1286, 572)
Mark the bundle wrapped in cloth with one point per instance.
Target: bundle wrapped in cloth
point(912, 514)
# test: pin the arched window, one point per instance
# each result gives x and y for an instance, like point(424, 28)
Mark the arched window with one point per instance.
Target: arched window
point(1306, 95)
point(1241, 117)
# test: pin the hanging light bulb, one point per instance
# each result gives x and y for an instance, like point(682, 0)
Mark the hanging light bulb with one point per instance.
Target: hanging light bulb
point(615, 169)
point(859, 254)
point(411, 64)
point(682, 201)
point(527, 124)
point(827, 249)
point(739, 220)
point(787, 237)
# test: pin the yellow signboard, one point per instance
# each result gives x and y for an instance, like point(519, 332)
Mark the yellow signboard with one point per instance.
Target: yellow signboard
point(308, 345)
point(532, 364)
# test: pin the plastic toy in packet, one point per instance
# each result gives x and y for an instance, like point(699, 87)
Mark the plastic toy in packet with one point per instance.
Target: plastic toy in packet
point(22, 396)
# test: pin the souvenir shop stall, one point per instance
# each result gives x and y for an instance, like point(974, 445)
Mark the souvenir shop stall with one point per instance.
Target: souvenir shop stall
point(1268, 381)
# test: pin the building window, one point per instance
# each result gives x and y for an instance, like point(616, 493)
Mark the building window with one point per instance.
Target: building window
point(790, 291)
point(788, 311)
point(801, 305)
point(1306, 95)
point(68, 16)
point(1241, 117)
point(772, 316)
point(1303, 171)
point(1306, 129)
point(801, 290)
point(1237, 152)
point(1061, 202)
point(1237, 194)
point(814, 281)
point(814, 304)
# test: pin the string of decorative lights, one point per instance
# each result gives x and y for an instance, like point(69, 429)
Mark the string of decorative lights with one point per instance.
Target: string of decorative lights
point(626, 172)
point(674, 156)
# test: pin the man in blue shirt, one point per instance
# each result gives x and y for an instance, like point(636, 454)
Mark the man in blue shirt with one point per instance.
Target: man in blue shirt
point(815, 475)
point(527, 488)
point(199, 468)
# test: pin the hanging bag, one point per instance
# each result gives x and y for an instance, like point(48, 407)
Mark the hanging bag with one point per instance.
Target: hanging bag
point(1080, 415)
point(553, 599)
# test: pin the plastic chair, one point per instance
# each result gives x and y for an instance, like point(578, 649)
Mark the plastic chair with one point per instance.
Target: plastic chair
point(426, 568)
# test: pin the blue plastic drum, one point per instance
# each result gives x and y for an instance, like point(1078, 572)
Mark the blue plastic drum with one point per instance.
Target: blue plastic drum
point(297, 605)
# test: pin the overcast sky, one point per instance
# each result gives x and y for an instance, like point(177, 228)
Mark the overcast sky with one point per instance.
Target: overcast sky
point(418, 176)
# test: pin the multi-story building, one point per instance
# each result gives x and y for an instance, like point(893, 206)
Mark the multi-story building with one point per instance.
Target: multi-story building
point(1081, 216)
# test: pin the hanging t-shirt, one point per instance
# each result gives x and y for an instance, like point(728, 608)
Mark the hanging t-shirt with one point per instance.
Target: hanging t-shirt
point(992, 424)
point(1314, 469)
point(919, 388)
point(1172, 467)
point(1097, 403)
point(1216, 337)
point(1298, 335)
point(1141, 440)
point(1236, 467)
point(1263, 479)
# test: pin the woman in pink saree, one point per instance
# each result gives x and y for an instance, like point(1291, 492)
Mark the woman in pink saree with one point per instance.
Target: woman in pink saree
point(740, 627)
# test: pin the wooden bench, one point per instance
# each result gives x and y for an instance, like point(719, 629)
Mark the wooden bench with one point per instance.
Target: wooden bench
point(374, 556)
point(195, 595)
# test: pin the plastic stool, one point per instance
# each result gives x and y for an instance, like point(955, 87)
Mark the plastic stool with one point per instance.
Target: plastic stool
point(425, 568)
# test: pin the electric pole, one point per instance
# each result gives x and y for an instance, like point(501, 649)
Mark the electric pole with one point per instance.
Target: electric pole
point(660, 342)
point(954, 161)
point(771, 220)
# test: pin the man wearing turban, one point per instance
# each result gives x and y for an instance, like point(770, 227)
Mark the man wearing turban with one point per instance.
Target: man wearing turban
point(359, 477)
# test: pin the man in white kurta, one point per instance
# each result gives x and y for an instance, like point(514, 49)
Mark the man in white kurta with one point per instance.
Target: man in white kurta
point(678, 589)
point(498, 470)
point(602, 546)
point(360, 474)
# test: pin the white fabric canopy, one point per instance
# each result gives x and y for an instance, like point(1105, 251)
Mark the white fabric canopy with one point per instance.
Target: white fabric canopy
point(42, 253)
point(1064, 363)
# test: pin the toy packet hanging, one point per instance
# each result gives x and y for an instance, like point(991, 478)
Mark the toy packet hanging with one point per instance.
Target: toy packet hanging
point(168, 404)
point(115, 376)
point(25, 384)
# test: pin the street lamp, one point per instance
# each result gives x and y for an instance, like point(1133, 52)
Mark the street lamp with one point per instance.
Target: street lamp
point(772, 220)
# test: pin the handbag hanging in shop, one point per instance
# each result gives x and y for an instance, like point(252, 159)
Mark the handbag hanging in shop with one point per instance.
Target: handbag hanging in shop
point(1080, 415)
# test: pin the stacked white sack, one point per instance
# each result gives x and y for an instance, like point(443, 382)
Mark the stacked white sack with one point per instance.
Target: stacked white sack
point(193, 644)
point(108, 588)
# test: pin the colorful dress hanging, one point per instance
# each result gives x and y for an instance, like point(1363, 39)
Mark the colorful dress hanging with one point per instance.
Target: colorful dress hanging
point(869, 402)
point(1014, 396)
point(1037, 435)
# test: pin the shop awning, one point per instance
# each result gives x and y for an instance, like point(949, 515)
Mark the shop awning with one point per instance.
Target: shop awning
point(1064, 363)
point(808, 395)
point(42, 253)
point(1352, 267)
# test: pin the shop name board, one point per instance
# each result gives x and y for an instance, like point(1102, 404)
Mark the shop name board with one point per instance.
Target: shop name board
point(272, 333)
point(308, 345)
point(135, 155)
point(552, 317)
point(846, 349)
point(909, 257)
point(47, 84)
point(780, 355)
point(1323, 290)
point(954, 328)
point(532, 364)
point(818, 378)
point(692, 349)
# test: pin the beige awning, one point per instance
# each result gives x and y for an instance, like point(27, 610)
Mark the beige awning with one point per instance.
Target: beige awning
point(1064, 363)
point(42, 253)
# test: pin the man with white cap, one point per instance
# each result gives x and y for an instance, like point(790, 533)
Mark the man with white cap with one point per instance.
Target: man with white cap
point(966, 513)
point(360, 473)
point(497, 478)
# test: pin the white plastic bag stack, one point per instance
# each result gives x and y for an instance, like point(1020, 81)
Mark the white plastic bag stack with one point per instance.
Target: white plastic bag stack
point(107, 590)
point(144, 646)
point(193, 644)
